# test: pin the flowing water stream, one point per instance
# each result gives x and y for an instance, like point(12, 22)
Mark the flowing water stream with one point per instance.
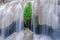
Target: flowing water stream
point(47, 29)
point(44, 24)
point(11, 20)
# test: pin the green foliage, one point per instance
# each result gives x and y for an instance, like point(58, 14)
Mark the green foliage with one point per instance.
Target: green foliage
point(27, 12)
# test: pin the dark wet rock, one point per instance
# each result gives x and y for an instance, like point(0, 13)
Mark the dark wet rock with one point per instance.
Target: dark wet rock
point(10, 29)
point(43, 29)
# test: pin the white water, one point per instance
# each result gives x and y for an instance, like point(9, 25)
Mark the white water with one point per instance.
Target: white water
point(48, 15)
point(9, 13)
point(12, 11)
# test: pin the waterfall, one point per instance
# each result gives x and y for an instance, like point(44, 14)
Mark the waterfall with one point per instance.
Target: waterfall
point(11, 21)
point(43, 25)
point(46, 10)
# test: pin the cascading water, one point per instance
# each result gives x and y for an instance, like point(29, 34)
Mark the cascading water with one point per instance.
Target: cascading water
point(46, 10)
point(11, 23)
point(43, 24)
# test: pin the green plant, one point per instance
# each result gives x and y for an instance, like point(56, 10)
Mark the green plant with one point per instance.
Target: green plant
point(27, 12)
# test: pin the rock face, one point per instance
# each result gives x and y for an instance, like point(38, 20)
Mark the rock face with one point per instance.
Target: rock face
point(43, 30)
point(23, 35)
point(28, 35)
